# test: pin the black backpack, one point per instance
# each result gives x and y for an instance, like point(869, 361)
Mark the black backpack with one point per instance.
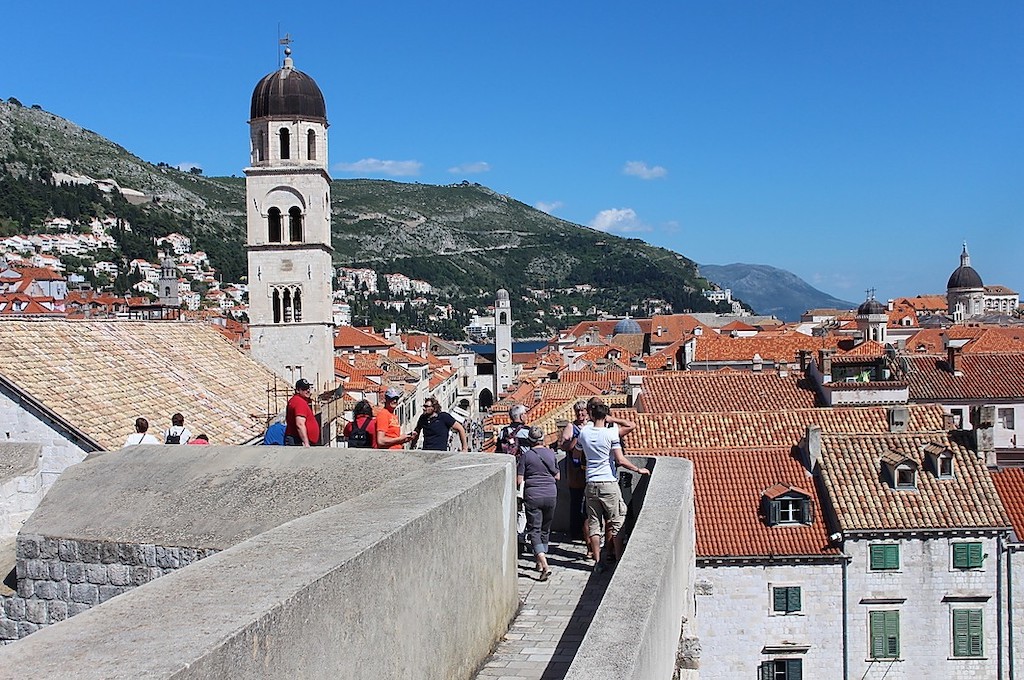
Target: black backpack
point(173, 437)
point(510, 442)
point(359, 438)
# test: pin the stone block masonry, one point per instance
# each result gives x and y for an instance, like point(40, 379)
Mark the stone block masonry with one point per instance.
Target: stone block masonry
point(58, 578)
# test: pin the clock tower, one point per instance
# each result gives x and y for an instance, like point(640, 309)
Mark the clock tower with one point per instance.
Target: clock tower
point(502, 344)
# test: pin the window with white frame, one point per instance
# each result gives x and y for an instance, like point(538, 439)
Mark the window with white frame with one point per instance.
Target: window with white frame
point(1005, 416)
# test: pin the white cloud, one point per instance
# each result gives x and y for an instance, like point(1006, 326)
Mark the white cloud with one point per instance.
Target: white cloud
point(618, 221)
point(548, 206)
point(643, 171)
point(186, 167)
point(375, 166)
point(470, 168)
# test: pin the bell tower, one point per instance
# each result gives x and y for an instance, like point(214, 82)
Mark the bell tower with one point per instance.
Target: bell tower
point(288, 228)
point(502, 344)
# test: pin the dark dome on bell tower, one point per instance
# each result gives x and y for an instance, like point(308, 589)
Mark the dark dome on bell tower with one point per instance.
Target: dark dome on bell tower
point(965, 275)
point(288, 93)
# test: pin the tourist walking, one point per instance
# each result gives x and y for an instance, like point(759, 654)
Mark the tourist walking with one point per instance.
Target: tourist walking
point(141, 435)
point(436, 426)
point(508, 441)
point(576, 471)
point(389, 429)
point(603, 449)
point(361, 433)
point(177, 433)
point(301, 428)
point(536, 475)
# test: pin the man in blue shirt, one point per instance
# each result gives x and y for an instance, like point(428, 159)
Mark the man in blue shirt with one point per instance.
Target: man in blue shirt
point(436, 426)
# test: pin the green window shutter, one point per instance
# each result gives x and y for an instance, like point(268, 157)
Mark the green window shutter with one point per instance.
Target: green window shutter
point(974, 555)
point(974, 632)
point(877, 626)
point(794, 669)
point(961, 642)
point(886, 556)
point(773, 512)
point(768, 670)
point(892, 634)
point(793, 599)
point(779, 599)
point(884, 634)
point(961, 558)
point(806, 512)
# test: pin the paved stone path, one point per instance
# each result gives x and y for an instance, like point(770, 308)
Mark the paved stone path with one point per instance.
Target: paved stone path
point(553, 619)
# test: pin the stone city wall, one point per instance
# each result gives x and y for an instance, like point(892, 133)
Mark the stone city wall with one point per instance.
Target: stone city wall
point(58, 578)
point(644, 625)
point(415, 578)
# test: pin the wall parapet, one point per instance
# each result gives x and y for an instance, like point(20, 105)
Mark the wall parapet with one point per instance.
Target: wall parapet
point(644, 627)
point(419, 572)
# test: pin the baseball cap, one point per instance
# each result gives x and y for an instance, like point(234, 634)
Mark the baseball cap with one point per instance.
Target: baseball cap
point(302, 384)
point(392, 393)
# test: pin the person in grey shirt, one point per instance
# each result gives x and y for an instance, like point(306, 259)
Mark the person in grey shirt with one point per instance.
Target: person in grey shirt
point(536, 474)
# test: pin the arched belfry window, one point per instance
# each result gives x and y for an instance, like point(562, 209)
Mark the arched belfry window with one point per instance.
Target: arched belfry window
point(502, 318)
point(295, 224)
point(167, 291)
point(287, 304)
point(274, 225)
point(261, 142)
point(286, 147)
point(311, 145)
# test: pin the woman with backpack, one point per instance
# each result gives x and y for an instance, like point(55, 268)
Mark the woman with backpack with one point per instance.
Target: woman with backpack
point(536, 473)
point(361, 433)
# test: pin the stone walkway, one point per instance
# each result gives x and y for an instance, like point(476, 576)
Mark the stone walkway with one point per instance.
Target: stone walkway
point(553, 619)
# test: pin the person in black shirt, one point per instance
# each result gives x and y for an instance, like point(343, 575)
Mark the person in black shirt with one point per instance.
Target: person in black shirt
point(436, 425)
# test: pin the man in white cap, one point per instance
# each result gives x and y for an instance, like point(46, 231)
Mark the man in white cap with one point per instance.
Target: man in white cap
point(389, 429)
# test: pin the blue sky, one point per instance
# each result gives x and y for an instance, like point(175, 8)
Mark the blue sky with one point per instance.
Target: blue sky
point(854, 144)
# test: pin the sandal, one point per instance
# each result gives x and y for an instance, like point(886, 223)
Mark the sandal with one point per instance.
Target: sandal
point(544, 575)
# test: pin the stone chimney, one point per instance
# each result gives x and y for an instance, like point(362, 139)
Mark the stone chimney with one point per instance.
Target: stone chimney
point(805, 358)
point(899, 419)
point(758, 363)
point(813, 447)
point(538, 394)
point(825, 361)
point(984, 435)
point(635, 385)
point(783, 369)
point(660, 331)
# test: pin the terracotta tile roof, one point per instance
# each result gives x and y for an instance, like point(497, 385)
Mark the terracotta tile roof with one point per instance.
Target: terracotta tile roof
point(352, 337)
point(982, 339)
point(984, 376)
point(675, 327)
point(1009, 483)
point(862, 499)
point(728, 486)
point(605, 327)
point(725, 390)
point(100, 375)
point(657, 432)
point(867, 349)
point(774, 348)
point(925, 303)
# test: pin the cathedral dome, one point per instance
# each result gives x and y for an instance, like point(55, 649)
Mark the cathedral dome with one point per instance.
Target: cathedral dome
point(288, 93)
point(871, 306)
point(627, 326)
point(965, 277)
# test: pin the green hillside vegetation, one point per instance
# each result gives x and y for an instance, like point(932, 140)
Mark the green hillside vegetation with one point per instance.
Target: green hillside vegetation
point(465, 239)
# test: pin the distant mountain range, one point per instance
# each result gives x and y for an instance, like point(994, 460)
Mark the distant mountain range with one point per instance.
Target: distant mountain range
point(770, 290)
point(464, 239)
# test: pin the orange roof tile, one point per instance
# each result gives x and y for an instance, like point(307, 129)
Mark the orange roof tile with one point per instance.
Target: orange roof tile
point(983, 376)
point(728, 486)
point(725, 390)
point(1009, 482)
point(982, 339)
point(658, 432)
point(862, 499)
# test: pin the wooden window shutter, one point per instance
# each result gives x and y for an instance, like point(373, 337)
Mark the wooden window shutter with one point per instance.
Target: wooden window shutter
point(794, 669)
